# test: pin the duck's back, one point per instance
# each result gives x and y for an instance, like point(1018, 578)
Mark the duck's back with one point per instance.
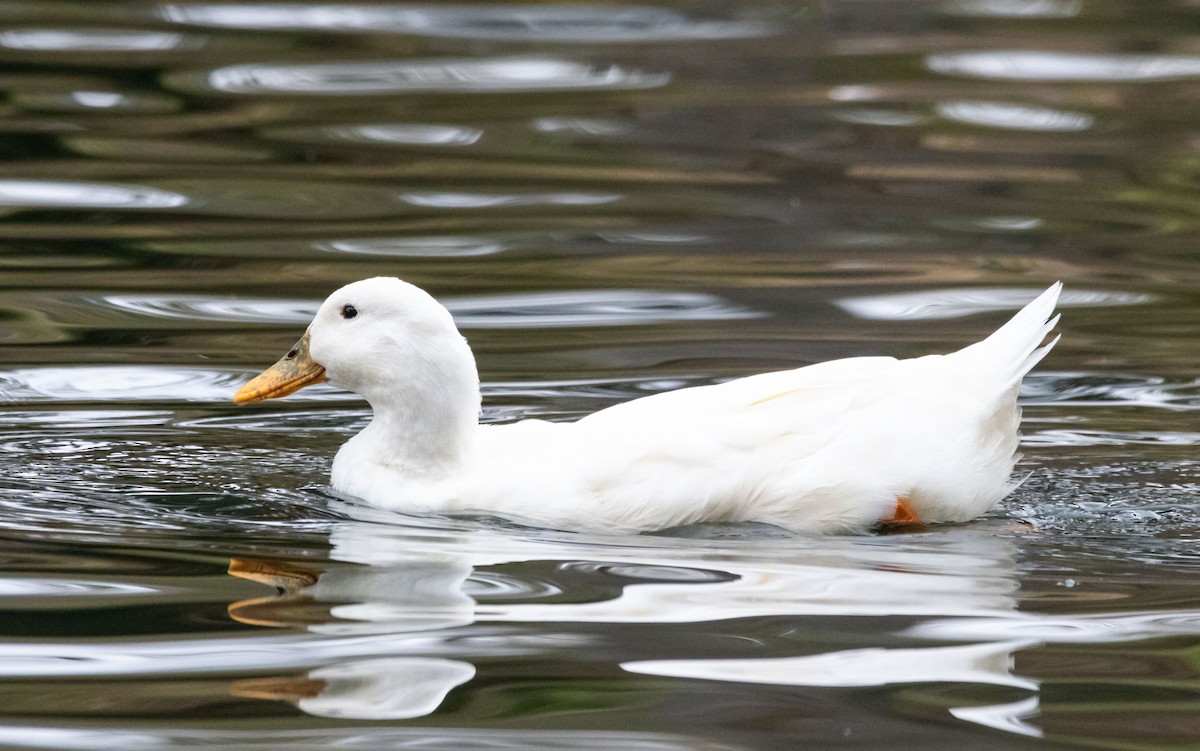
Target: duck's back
point(830, 446)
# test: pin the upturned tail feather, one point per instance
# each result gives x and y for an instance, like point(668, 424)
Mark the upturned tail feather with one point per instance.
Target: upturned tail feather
point(1016, 347)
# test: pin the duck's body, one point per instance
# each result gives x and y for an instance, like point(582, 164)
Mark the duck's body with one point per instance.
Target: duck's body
point(828, 447)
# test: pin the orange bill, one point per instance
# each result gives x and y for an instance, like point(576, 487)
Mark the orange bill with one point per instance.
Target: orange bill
point(294, 371)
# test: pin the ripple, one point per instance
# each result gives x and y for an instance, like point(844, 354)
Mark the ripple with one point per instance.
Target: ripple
point(1109, 438)
point(123, 383)
point(582, 126)
point(592, 308)
point(956, 303)
point(91, 419)
point(418, 247)
point(461, 75)
point(530, 310)
point(1062, 629)
point(14, 587)
point(292, 421)
point(445, 200)
point(81, 195)
point(211, 308)
point(881, 117)
point(1038, 65)
point(545, 23)
point(405, 135)
point(1015, 116)
point(95, 40)
point(1017, 8)
point(1116, 389)
point(645, 572)
point(264, 198)
point(496, 586)
point(975, 663)
point(240, 654)
point(96, 100)
point(110, 737)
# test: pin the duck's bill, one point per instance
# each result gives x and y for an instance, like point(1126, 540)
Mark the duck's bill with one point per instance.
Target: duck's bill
point(294, 371)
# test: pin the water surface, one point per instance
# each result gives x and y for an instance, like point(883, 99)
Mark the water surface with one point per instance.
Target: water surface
point(613, 200)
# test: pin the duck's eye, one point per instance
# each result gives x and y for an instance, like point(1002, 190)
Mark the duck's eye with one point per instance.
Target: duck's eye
point(349, 311)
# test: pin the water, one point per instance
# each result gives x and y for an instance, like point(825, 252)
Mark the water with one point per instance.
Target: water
point(614, 200)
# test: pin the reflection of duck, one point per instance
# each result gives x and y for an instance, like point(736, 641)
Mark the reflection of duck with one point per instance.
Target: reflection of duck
point(847, 443)
point(394, 601)
point(394, 688)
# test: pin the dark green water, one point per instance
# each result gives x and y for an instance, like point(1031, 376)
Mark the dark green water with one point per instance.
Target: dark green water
point(614, 200)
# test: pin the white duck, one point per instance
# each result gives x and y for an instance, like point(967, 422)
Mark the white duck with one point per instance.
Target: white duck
point(845, 444)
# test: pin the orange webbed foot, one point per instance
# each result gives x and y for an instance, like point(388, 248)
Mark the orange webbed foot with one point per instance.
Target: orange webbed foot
point(904, 518)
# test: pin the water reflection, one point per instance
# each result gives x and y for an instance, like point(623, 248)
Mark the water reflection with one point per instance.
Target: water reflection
point(1017, 8)
point(541, 310)
point(1015, 116)
point(407, 135)
point(413, 580)
point(356, 738)
point(988, 663)
point(959, 586)
point(545, 23)
point(449, 246)
point(95, 40)
point(443, 200)
point(946, 303)
point(116, 383)
point(398, 688)
point(82, 195)
point(1043, 65)
point(465, 75)
point(96, 100)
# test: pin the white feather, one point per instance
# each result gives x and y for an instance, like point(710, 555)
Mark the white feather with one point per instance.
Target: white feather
point(827, 447)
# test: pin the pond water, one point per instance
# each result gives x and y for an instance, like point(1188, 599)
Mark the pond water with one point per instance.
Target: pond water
point(614, 200)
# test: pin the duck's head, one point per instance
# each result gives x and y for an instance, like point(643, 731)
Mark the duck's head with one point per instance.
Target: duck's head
point(381, 338)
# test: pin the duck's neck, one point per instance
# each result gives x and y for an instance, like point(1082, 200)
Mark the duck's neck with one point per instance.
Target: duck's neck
point(425, 429)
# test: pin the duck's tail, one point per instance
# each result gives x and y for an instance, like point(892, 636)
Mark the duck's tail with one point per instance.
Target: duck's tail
point(1016, 347)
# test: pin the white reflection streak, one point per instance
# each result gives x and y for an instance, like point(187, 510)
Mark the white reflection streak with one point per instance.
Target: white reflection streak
point(989, 663)
point(489, 201)
point(530, 310)
point(116, 737)
point(943, 304)
point(1015, 116)
point(119, 383)
point(409, 135)
point(530, 22)
point(1096, 628)
point(453, 75)
point(14, 587)
point(1019, 8)
point(65, 194)
point(418, 246)
point(99, 99)
point(1036, 65)
point(91, 40)
point(237, 654)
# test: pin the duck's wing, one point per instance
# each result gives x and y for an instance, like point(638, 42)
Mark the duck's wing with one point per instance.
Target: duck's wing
point(813, 390)
point(761, 448)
